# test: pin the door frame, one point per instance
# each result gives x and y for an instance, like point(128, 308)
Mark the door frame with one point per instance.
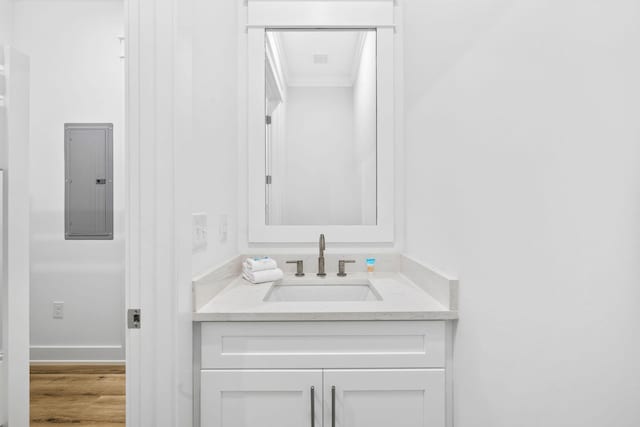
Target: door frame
point(154, 384)
point(158, 269)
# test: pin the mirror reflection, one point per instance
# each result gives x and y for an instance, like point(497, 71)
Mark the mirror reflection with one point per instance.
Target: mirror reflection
point(320, 108)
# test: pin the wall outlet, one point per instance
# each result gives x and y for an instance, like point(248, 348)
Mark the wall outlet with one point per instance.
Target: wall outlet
point(58, 309)
point(199, 232)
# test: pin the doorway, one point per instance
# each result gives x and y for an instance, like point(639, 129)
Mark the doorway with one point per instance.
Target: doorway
point(77, 286)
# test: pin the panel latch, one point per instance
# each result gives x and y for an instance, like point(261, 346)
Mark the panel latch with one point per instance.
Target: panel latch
point(133, 318)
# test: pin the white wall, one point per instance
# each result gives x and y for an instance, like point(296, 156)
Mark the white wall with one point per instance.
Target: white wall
point(321, 160)
point(214, 148)
point(523, 142)
point(6, 22)
point(365, 128)
point(76, 76)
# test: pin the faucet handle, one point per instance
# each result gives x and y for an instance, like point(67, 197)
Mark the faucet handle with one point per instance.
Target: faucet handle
point(341, 264)
point(299, 267)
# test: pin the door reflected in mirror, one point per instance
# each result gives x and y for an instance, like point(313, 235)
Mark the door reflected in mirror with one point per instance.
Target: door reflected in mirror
point(321, 127)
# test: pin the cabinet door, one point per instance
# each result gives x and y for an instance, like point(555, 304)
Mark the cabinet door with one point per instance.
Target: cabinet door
point(384, 397)
point(253, 398)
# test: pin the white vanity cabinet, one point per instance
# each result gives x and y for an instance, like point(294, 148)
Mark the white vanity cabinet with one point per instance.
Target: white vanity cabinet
point(247, 398)
point(384, 397)
point(345, 373)
point(351, 397)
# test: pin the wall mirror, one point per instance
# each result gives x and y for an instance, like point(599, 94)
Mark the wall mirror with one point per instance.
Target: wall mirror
point(320, 127)
point(320, 134)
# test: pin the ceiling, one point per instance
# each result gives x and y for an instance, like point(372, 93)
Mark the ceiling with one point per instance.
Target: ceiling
point(320, 58)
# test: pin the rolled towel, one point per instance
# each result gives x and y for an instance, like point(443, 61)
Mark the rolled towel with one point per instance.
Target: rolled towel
point(263, 276)
point(259, 264)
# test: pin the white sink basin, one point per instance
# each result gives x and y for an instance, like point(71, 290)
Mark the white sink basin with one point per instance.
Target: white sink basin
point(329, 291)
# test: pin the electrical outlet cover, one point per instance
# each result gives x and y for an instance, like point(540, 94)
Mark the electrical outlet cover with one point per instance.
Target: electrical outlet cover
point(58, 309)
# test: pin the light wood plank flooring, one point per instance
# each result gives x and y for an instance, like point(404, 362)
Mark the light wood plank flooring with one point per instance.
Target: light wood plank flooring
point(78, 395)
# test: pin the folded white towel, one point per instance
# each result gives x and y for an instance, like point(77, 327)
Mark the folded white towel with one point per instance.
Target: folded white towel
point(263, 276)
point(259, 264)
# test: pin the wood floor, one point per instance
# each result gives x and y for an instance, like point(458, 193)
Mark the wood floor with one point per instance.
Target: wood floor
point(78, 395)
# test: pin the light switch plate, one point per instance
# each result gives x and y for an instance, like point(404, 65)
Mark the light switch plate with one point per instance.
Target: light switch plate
point(223, 228)
point(199, 232)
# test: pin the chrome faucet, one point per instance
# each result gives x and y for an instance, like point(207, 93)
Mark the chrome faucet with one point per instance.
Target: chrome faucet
point(322, 247)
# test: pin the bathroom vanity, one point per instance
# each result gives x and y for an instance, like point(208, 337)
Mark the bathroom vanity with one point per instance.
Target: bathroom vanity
point(369, 349)
point(365, 350)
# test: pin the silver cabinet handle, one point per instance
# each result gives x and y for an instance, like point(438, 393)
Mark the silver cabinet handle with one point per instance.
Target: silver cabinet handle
point(333, 406)
point(313, 406)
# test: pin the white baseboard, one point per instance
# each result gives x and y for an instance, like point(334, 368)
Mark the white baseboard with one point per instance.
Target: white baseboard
point(77, 354)
point(77, 362)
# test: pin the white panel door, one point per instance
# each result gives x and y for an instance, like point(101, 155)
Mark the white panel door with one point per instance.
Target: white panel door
point(14, 277)
point(384, 397)
point(254, 398)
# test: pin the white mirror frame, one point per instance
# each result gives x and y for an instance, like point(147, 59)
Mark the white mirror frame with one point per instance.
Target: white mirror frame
point(266, 14)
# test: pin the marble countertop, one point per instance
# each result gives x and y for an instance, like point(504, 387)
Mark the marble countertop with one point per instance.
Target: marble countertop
point(401, 299)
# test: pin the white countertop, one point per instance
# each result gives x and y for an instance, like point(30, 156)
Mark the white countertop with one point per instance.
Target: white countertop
point(401, 300)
